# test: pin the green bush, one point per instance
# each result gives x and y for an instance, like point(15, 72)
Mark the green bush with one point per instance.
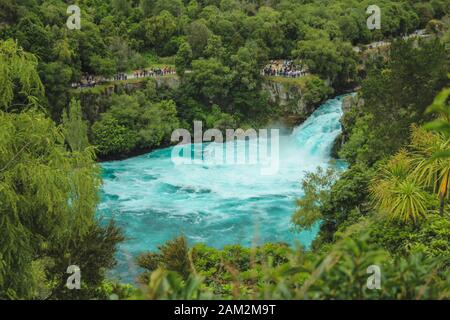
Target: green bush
point(112, 138)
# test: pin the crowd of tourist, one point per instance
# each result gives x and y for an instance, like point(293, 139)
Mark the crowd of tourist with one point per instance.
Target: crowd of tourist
point(120, 76)
point(89, 81)
point(284, 68)
point(154, 72)
point(276, 68)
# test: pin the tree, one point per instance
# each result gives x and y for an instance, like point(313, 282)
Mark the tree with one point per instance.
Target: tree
point(105, 67)
point(33, 37)
point(112, 138)
point(396, 193)
point(74, 127)
point(48, 198)
point(123, 55)
point(342, 274)
point(349, 27)
point(214, 48)
point(332, 60)
point(416, 69)
point(276, 271)
point(8, 11)
point(347, 203)
point(430, 170)
point(175, 7)
point(43, 190)
point(94, 253)
point(425, 12)
point(197, 34)
point(183, 60)
point(158, 30)
point(57, 77)
point(246, 69)
point(18, 67)
point(397, 94)
point(122, 6)
point(147, 7)
point(146, 123)
point(192, 9)
point(268, 29)
point(316, 187)
point(156, 124)
point(172, 256)
point(211, 79)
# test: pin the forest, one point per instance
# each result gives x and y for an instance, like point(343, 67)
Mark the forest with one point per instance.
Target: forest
point(72, 99)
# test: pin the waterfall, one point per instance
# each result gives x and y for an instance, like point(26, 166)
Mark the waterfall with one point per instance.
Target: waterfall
point(154, 200)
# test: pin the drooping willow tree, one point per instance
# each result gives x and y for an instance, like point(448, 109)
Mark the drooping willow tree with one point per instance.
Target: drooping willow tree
point(18, 75)
point(48, 195)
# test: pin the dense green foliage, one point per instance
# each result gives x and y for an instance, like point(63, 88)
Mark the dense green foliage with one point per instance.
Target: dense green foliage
point(389, 207)
point(224, 43)
point(391, 102)
point(48, 195)
point(74, 127)
point(275, 271)
point(377, 126)
point(173, 255)
point(18, 76)
point(138, 121)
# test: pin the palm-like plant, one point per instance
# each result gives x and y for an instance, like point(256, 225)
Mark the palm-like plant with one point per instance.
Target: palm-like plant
point(396, 193)
point(438, 165)
point(441, 107)
point(431, 170)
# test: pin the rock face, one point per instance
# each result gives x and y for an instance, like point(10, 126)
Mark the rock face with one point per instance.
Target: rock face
point(172, 82)
point(288, 97)
point(296, 99)
point(347, 103)
point(95, 101)
point(350, 102)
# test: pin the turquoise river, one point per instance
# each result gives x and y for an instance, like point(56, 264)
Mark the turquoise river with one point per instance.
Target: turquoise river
point(154, 200)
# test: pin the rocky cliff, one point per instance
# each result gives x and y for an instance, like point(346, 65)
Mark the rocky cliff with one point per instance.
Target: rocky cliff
point(297, 98)
point(349, 103)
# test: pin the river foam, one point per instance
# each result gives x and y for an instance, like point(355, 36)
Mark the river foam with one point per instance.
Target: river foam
point(154, 200)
